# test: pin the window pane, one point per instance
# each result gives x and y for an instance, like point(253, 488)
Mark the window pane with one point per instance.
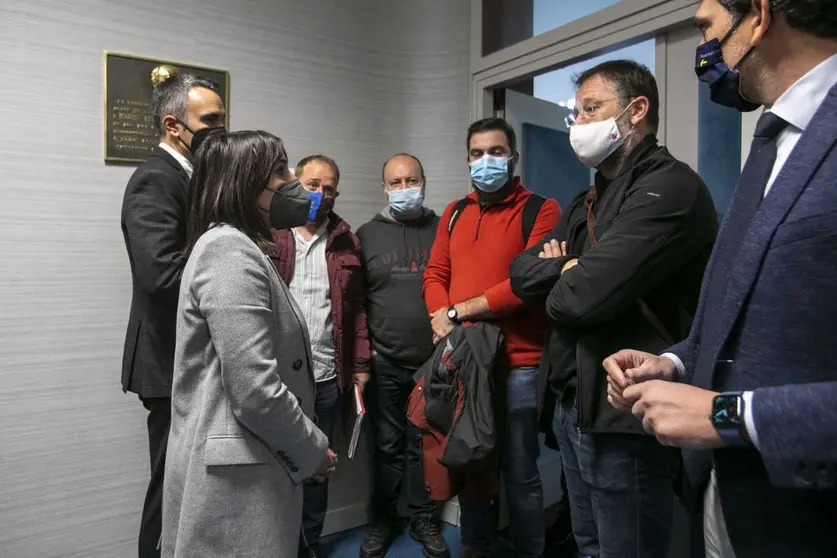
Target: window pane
point(557, 86)
point(508, 22)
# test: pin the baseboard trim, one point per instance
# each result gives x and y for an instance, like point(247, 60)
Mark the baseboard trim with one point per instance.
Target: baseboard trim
point(346, 518)
point(357, 515)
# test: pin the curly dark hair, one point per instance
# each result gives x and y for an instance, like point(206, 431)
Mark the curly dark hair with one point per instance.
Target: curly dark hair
point(815, 17)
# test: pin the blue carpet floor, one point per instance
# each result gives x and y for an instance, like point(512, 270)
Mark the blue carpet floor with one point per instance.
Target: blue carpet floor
point(347, 544)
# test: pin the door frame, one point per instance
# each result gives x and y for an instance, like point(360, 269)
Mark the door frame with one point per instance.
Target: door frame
point(625, 22)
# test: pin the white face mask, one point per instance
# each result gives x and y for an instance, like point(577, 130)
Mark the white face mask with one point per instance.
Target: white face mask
point(596, 141)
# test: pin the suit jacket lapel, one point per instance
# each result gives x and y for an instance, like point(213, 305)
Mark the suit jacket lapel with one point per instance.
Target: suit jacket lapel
point(807, 156)
point(166, 156)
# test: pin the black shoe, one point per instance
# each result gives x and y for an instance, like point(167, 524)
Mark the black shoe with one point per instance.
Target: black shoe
point(378, 540)
point(426, 531)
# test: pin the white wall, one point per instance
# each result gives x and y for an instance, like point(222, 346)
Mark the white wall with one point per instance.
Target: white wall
point(356, 80)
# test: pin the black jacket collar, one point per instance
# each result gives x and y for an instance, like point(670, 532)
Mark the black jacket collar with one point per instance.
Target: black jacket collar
point(161, 153)
point(643, 148)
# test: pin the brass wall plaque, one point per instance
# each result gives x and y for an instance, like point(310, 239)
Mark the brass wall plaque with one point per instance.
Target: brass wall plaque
point(129, 124)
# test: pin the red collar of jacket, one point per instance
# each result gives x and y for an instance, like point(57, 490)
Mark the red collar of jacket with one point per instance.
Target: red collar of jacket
point(518, 194)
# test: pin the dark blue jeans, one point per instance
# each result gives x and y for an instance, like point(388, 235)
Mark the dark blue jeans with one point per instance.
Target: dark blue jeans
point(519, 464)
point(620, 487)
point(398, 450)
point(315, 494)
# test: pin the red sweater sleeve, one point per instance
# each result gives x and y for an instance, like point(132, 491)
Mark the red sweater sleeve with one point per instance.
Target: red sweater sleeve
point(436, 281)
point(501, 299)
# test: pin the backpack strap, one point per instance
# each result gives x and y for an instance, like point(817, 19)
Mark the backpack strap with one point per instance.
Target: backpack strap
point(457, 211)
point(531, 210)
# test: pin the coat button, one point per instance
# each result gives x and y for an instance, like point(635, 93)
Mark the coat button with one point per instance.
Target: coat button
point(294, 470)
point(298, 364)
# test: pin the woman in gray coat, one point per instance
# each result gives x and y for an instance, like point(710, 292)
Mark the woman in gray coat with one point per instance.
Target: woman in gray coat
point(242, 440)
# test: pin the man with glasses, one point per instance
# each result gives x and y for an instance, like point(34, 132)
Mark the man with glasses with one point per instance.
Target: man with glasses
point(396, 245)
point(624, 263)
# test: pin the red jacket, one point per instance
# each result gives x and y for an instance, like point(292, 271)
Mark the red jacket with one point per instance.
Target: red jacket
point(475, 261)
point(453, 406)
point(348, 295)
point(440, 483)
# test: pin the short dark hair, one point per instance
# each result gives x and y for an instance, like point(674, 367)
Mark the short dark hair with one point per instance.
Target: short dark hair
point(631, 80)
point(814, 17)
point(231, 170)
point(491, 124)
point(319, 159)
point(413, 157)
point(169, 98)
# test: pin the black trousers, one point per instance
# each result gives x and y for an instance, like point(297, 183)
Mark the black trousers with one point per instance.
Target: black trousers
point(151, 526)
point(398, 455)
point(315, 494)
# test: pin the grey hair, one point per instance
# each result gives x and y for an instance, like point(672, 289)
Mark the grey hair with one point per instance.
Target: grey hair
point(169, 98)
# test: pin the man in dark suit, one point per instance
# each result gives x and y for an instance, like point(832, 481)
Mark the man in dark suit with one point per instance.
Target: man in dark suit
point(154, 226)
point(750, 392)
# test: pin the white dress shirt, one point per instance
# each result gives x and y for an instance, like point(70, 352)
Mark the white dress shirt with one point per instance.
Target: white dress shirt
point(184, 162)
point(310, 288)
point(796, 106)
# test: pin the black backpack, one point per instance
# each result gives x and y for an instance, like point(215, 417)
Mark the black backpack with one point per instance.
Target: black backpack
point(531, 209)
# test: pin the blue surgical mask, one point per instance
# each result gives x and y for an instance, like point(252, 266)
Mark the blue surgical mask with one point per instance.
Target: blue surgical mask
point(407, 200)
point(490, 173)
point(316, 201)
point(724, 82)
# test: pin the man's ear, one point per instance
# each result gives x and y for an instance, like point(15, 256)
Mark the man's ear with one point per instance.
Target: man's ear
point(171, 126)
point(761, 22)
point(639, 110)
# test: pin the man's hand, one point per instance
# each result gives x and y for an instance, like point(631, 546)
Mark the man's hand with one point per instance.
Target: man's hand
point(554, 249)
point(361, 378)
point(441, 324)
point(327, 466)
point(677, 414)
point(628, 367)
point(569, 265)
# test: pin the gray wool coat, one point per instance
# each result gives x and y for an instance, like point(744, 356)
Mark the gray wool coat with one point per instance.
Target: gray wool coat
point(242, 439)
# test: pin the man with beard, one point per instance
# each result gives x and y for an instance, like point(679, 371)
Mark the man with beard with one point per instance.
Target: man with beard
point(749, 394)
point(624, 265)
point(322, 265)
point(467, 280)
point(154, 227)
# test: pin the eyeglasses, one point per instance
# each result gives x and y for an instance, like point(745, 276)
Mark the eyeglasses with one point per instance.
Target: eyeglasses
point(589, 110)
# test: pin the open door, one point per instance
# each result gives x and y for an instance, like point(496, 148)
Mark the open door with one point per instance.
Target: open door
point(548, 165)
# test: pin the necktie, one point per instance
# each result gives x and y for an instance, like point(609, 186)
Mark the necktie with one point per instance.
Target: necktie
point(752, 183)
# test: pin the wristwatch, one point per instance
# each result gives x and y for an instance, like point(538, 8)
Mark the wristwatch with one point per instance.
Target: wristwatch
point(728, 418)
point(453, 315)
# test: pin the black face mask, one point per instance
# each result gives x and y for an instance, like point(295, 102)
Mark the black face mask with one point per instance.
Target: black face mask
point(289, 207)
point(200, 136)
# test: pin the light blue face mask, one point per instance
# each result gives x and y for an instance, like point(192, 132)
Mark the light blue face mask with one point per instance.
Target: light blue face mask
point(407, 200)
point(490, 173)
